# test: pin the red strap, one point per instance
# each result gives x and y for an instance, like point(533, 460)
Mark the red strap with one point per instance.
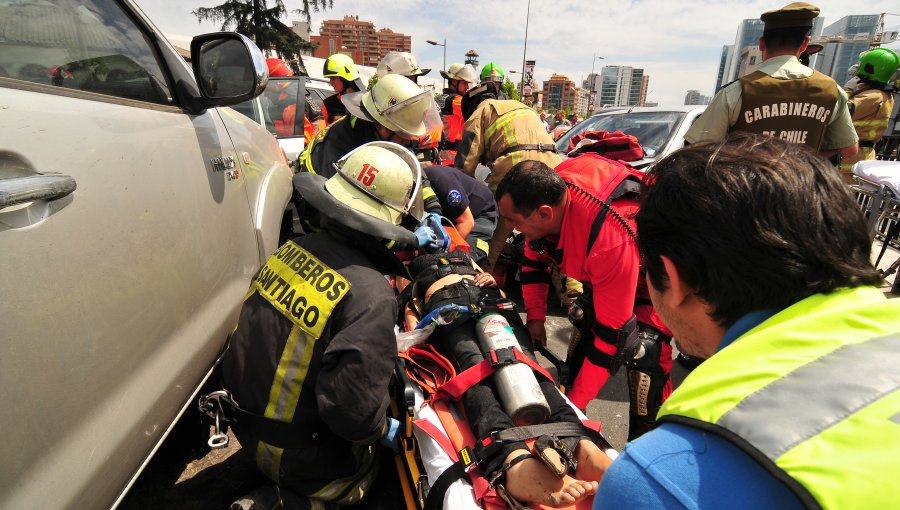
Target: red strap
point(455, 387)
point(439, 437)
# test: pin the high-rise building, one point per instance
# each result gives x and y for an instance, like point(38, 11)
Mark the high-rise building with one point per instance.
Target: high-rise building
point(559, 93)
point(622, 86)
point(836, 58)
point(724, 64)
point(745, 49)
point(362, 36)
point(388, 40)
point(582, 105)
point(693, 97)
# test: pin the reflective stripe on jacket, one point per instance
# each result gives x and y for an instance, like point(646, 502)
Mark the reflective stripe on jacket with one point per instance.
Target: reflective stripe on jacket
point(813, 395)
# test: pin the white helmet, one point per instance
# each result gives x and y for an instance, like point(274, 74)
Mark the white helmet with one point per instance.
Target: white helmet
point(399, 62)
point(463, 72)
point(381, 179)
point(397, 104)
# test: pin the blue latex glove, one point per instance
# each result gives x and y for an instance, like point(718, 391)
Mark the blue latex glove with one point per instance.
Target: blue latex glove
point(426, 238)
point(391, 438)
point(430, 227)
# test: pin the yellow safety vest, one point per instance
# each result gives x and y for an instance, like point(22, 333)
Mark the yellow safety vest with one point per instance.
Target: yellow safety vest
point(813, 395)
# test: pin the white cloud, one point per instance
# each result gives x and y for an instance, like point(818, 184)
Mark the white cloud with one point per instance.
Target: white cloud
point(678, 43)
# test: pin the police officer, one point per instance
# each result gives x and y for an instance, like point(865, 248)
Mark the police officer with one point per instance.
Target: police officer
point(782, 98)
point(309, 363)
point(469, 204)
point(871, 103)
point(500, 133)
point(344, 79)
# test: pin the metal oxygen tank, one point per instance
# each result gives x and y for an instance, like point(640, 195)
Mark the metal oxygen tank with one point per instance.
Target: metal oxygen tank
point(520, 394)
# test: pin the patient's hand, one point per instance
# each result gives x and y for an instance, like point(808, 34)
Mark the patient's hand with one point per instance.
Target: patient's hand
point(485, 280)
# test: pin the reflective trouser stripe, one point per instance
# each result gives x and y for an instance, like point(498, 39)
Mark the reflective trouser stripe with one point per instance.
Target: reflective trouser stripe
point(284, 394)
point(816, 396)
point(351, 489)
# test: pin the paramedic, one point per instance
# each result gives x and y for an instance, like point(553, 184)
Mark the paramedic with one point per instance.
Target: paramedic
point(468, 203)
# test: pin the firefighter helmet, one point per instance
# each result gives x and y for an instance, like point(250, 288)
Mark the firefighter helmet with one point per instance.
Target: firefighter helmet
point(878, 65)
point(492, 72)
point(374, 187)
point(340, 65)
point(399, 62)
point(397, 104)
point(278, 67)
point(461, 72)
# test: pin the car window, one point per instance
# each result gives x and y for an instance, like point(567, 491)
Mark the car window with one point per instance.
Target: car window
point(90, 45)
point(279, 102)
point(652, 129)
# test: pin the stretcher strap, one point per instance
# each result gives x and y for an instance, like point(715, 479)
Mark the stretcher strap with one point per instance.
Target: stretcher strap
point(427, 367)
point(473, 375)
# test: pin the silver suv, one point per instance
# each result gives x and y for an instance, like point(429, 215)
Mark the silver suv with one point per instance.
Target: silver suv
point(133, 213)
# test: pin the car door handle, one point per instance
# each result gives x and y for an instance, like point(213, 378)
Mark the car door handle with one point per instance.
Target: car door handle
point(20, 190)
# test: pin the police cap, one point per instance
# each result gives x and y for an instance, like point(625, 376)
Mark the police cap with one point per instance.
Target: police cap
point(794, 15)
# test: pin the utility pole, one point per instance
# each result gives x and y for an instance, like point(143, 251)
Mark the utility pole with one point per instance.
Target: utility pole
point(593, 81)
point(524, 51)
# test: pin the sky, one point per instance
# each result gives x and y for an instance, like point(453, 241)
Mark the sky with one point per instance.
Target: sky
point(678, 43)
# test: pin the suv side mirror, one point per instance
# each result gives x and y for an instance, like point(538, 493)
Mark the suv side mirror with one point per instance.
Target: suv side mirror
point(229, 68)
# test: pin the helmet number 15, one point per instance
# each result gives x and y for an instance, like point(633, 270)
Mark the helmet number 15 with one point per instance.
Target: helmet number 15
point(367, 175)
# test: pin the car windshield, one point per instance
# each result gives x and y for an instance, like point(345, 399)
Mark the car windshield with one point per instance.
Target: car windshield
point(652, 129)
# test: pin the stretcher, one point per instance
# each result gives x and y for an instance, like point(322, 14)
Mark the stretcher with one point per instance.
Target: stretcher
point(435, 436)
point(877, 190)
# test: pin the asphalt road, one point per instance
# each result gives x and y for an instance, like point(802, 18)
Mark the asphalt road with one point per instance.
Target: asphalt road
point(204, 479)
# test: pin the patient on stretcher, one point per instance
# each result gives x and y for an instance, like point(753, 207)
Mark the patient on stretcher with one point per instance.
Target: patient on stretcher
point(561, 470)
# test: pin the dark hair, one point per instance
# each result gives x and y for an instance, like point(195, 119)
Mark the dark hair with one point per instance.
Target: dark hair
point(753, 223)
point(531, 184)
point(779, 39)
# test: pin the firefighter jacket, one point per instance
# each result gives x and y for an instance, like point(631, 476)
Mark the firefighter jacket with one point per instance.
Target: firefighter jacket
point(811, 394)
point(494, 131)
point(610, 266)
point(346, 134)
point(871, 113)
point(314, 346)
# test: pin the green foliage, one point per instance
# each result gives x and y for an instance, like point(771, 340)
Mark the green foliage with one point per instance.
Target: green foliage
point(509, 88)
point(372, 81)
point(257, 21)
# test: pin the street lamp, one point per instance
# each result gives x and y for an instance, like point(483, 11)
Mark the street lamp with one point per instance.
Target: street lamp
point(435, 43)
point(593, 81)
point(524, 51)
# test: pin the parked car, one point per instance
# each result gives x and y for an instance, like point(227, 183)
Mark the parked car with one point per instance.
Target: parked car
point(134, 212)
point(660, 131)
point(276, 108)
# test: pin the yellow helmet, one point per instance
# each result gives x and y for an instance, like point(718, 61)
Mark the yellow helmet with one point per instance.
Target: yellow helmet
point(340, 65)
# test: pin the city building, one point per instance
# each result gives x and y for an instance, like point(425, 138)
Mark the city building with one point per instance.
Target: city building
point(693, 97)
point(724, 65)
point(622, 86)
point(582, 103)
point(388, 40)
point(836, 58)
point(559, 93)
point(350, 35)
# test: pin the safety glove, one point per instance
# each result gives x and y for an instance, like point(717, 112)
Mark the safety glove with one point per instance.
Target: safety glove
point(391, 437)
point(431, 235)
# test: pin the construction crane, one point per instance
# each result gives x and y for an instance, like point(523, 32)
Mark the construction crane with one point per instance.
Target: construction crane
point(880, 37)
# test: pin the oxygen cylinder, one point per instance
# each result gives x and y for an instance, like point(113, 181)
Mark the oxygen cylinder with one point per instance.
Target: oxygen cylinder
point(518, 388)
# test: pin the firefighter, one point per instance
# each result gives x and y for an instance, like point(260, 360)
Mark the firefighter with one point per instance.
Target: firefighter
point(344, 79)
point(493, 73)
point(782, 98)
point(469, 204)
point(459, 78)
point(871, 103)
point(580, 218)
point(308, 366)
point(404, 63)
point(500, 133)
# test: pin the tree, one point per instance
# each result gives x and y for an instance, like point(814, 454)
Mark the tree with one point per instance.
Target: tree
point(257, 21)
point(509, 88)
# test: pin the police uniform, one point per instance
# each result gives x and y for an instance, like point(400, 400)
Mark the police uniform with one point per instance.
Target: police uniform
point(871, 112)
point(456, 192)
point(782, 98)
point(314, 348)
point(500, 134)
